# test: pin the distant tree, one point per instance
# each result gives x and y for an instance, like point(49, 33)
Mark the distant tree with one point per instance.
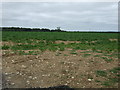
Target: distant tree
point(45, 30)
point(31, 29)
point(58, 28)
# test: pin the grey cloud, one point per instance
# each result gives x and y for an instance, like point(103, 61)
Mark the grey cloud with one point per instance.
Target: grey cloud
point(68, 15)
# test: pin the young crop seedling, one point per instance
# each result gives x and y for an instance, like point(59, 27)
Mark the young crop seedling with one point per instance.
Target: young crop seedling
point(106, 83)
point(66, 55)
point(5, 47)
point(42, 48)
point(96, 55)
point(73, 53)
point(61, 48)
point(107, 59)
point(115, 70)
point(98, 81)
point(86, 55)
point(101, 73)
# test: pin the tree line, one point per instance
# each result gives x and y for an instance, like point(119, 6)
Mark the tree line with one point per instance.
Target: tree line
point(31, 29)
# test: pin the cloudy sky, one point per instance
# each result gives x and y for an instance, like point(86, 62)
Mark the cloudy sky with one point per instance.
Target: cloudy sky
point(93, 16)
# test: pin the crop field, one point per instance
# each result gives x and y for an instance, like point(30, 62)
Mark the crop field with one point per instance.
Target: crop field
point(46, 59)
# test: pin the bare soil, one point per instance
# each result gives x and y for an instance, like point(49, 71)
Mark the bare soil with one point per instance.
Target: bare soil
point(113, 39)
point(54, 68)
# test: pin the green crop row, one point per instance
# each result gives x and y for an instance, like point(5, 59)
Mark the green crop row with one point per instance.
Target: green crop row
point(46, 40)
point(53, 36)
point(61, 46)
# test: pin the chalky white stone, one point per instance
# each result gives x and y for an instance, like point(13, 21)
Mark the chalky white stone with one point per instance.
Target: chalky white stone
point(72, 77)
point(34, 78)
point(9, 77)
point(12, 83)
point(89, 79)
point(30, 76)
point(8, 80)
point(23, 66)
point(28, 82)
point(17, 73)
point(66, 70)
point(37, 57)
point(6, 73)
point(13, 61)
point(48, 74)
point(66, 84)
point(20, 73)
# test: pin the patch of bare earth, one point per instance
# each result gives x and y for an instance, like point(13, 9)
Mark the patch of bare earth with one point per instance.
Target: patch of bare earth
point(54, 68)
point(57, 42)
point(113, 39)
point(66, 42)
point(7, 43)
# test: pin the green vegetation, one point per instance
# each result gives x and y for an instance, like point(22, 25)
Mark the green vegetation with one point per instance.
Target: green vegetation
point(111, 76)
point(61, 48)
point(24, 47)
point(115, 70)
point(95, 42)
point(66, 55)
point(101, 73)
point(97, 56)
point(107, 59)
point(110, 82)
point(72, 52)
point(88, 44)
point(58, 54)
point(5, 47)
point(26, 53)
point(106, 83)
point(85, 55)
point(100, 38)
point(97, 81)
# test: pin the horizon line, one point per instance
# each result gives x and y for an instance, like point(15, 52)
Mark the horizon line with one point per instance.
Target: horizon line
point(81, 30)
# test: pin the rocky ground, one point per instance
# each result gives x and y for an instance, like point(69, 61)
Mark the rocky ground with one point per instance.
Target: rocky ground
point(56, 68)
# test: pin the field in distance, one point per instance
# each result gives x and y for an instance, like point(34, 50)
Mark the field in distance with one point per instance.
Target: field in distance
point(45, 59)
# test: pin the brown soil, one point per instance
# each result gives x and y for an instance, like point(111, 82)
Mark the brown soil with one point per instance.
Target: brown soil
point(10, 43)
point(7, 43)
point(66, 42)
point(57, 42)
point(54, 68)
point(113, 39)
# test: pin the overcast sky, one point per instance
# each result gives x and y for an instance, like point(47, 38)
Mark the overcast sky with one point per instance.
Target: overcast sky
point(68, 15)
